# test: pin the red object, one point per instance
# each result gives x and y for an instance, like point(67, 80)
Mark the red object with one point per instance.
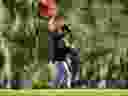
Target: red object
point(47, 8)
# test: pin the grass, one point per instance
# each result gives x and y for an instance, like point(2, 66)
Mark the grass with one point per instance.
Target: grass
point(65, 92)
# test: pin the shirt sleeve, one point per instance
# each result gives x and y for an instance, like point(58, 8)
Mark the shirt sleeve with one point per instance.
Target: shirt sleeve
point(47, 7)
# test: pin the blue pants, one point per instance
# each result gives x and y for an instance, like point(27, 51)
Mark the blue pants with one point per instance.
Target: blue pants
point(60, 74)
point(75, 58)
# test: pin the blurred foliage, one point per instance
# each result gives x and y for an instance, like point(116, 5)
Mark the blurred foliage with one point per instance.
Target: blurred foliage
point(98, 29)
point(95, 30)
point(39, 84)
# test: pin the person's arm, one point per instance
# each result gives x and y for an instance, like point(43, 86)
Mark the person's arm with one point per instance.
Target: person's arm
point(51, 24)
point(44, 2)
point(51, 20)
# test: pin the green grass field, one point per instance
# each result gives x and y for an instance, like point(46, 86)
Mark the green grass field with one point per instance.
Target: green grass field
point(65, 92)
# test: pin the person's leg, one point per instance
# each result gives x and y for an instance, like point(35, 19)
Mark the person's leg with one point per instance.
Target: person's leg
point(60, 71)
point(51, 48)
point(51, 56)
point(60, 56)
point(56, 53)
point(75, 63)
point(60, 52)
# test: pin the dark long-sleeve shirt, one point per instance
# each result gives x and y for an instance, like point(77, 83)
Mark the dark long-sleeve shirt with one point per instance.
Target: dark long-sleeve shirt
point(56, 46)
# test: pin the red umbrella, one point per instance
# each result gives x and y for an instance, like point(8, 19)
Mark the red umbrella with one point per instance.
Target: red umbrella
point(47, 7)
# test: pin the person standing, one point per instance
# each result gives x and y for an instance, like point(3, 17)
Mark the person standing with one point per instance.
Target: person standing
point(48, 8)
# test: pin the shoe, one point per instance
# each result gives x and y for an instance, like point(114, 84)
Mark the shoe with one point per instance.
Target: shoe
point(51, 84)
